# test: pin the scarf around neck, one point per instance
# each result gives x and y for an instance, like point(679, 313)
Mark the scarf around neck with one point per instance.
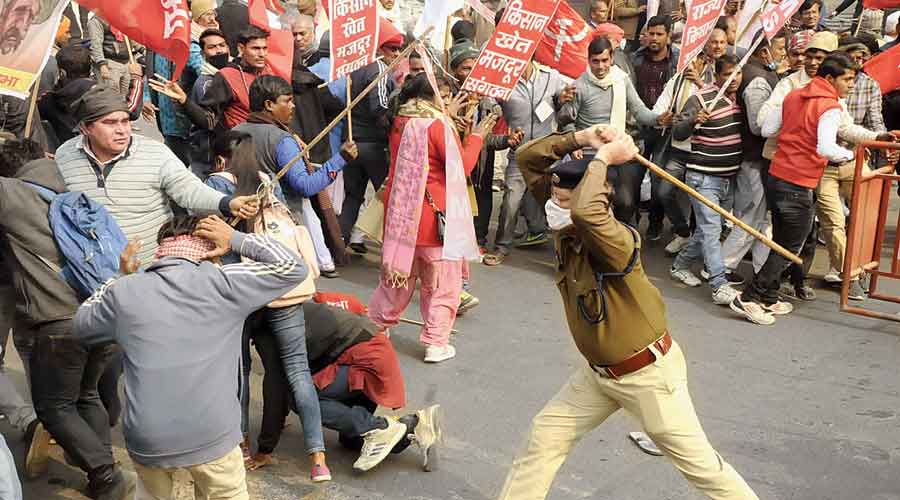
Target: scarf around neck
point(617, 79)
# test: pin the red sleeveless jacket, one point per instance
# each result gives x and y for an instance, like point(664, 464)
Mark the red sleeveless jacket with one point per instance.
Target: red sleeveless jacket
point(237, 111)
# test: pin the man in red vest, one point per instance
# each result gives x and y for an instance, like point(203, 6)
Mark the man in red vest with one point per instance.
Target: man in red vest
point(807, 143)
point(227, 100)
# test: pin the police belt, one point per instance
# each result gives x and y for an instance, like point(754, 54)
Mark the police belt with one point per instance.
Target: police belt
point(640, 360)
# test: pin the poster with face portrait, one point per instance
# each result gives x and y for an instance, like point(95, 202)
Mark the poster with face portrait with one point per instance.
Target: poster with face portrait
point(27, 31)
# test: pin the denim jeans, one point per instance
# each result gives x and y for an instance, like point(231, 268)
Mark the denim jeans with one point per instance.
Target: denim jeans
point(288, 325)
point(793, 212)
point(515, 197)
point(705, 242)
point(350, 413)
point(675, 201)
point(64, 390)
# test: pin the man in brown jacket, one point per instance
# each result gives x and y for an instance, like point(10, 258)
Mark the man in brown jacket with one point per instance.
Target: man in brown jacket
point(627, 14)
point(618, 321)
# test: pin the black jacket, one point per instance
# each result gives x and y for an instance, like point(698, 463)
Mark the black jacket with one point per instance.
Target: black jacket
point(233, 17)
point(41, 294)
point(371, 117)
point(315, 107)
point(331, 330)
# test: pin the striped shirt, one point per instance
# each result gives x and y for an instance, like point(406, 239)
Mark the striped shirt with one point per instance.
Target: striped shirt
point(716, 147)
point(137, 186)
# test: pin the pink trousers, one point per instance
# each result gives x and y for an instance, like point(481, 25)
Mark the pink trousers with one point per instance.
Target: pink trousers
point(441, 284)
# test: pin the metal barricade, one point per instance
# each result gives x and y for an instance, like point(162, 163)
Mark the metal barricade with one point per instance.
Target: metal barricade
point(866, 235)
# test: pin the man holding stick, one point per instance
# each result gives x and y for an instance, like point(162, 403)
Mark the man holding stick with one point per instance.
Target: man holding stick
point(716, 153)
point(617, 320)
point(807, 142)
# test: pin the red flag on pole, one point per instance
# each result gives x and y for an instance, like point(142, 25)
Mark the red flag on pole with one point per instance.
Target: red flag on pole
point(565, 42)
point(881, 4)
point(164, 27)
point(777, 15)
point(701, 20)
point(264, 14)
point(885, 69)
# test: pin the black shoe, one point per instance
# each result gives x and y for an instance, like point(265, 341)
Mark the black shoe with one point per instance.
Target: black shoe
point(330, 274)
point(734, 278)
point(119, 485)
point(654, 231)
point(359, 248)
point(805, 292)
point(410, 421)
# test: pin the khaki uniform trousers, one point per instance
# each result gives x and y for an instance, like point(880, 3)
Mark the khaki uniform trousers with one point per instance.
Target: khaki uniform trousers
point(222, 479)
point(836, 183)
point(657, 396)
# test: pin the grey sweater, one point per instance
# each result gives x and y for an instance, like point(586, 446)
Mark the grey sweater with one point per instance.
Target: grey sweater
point(137, 188)
point(593, 105)
point(179, 324)
point(521, 110)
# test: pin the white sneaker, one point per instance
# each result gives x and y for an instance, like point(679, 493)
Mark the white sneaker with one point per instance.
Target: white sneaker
point(833, 277)
point(677, 244)
point(780, 308)
point(725, 295)
point(685, 276)
point(438, 353)
point(378, 443)
point(752, 311)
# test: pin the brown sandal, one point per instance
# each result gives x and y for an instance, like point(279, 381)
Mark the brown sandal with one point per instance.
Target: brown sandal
point(493, 259)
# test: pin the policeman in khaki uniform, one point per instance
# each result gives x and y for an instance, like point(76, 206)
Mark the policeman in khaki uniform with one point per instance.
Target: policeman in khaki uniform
point(618, 321)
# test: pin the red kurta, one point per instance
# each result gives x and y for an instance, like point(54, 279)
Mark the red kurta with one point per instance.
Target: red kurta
point(437, 175)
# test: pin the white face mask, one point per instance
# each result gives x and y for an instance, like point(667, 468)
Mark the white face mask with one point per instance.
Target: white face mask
point(558, 218)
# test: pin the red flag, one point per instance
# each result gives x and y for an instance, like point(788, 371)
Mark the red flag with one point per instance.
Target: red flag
point(164, 27)
point(565, 42)
point(885, 69)
point(881, 4)
point(701, 21)
point(775, 17)
point(264, 14)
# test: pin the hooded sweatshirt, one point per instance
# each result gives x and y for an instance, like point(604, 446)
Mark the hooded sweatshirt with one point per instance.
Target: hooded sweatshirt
point(41, 294)
point(797, 160)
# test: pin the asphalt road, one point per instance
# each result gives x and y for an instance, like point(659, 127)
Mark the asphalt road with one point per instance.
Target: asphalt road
point(805, 409)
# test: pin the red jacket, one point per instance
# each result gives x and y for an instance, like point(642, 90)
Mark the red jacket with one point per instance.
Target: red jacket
point(239, 81)
point(437, 177)
point(796, 159)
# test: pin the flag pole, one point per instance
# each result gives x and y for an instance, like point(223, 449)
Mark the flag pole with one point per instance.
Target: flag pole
point(349, 115)
point(29, 120)
point(721, 211)
point(730, 79)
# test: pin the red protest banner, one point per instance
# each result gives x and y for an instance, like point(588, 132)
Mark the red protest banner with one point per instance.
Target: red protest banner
point(701, 20)
point(509, 50)
point(565, 42)
point(885, 69)
point(264, 14)
point(777, 15)
point(164, 26)
point(354, 35)
point(881, 4)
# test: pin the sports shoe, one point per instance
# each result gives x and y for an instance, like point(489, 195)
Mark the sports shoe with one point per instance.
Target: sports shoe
point(438, 353)
point(320, 473)
point(685, 276)
point(359, 248)
point(733, 278)
point(428, 435)
point(805, 292)
point(752, 311)
point(677, 244)
point(856, 291)
point(330, 274)
point(780, 308)
point(531, 240)
point(833, 277)
point(378, 444)
point(654, 231)
point(38, 455)
point(724, 295)
point(467, 301)
point(120, 485)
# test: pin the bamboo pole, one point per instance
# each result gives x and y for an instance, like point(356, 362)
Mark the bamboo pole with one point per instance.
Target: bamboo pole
point(349, 115)
point(721, 211)
point(419, 323)
point(130, 53)
point(32, 104)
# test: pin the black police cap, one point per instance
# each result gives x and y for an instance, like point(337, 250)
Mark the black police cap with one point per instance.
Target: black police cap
point(568, 174)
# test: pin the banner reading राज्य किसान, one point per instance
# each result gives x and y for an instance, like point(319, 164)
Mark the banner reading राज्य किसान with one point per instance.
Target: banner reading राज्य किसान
point(354, 35)
point(27, 32)
point(509, 50)
point(701, 20)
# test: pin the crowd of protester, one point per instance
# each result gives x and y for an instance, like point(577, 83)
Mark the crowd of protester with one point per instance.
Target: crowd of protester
point(235, 147)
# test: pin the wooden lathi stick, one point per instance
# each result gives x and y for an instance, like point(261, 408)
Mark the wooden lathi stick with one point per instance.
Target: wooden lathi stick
point(784, 252)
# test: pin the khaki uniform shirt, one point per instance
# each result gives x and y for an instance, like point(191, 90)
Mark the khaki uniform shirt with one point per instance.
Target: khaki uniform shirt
point(635, 315)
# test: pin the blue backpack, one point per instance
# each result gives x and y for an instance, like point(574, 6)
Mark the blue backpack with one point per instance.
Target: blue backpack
point(87, 236)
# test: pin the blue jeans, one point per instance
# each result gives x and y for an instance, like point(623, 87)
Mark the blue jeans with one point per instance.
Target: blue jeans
point(705, 242)
point(288, 325)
